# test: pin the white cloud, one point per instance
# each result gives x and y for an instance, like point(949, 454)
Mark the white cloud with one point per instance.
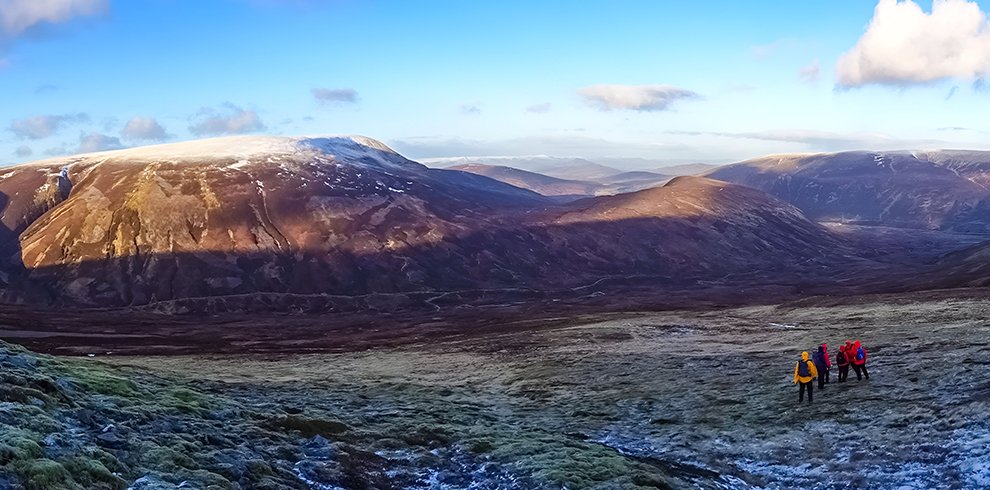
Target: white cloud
point(825, 140)
point(91, 142)
point(905, 45)
point(145, 129)
point(634, 97)
point(470, 109)
point(540, 108)
point(335, 95)
point(38, 127)
point(810, 73)
point(17, 16)
point(228, 119)
point(559, 145)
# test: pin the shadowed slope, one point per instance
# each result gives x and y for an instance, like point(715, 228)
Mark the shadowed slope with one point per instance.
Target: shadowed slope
point(347, 216)
point(912, 190)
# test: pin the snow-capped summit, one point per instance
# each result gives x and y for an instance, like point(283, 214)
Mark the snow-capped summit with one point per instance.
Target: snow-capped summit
point(244, 147)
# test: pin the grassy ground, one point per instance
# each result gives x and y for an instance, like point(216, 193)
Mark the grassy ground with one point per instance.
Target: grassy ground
point(674, 400)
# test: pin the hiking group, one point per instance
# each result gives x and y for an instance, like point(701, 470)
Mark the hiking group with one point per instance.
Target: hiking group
point(820, 365)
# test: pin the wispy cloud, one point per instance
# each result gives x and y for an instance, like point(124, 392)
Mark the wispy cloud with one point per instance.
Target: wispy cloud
point(904, 45)
point(335, 95)
point(38, 127)
point(227, 119)
point(952, 91)
point(608, 97)
point(45, 88)
point(540, 108)
point(23, 151)
point(144, 129)
point(810, 73)
point(560, 145)
point(470, 109)
point(90, 142)
point(823, 140)
point(17, 16)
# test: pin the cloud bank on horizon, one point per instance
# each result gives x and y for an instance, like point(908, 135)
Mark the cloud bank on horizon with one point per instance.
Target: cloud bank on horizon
point(665, 83)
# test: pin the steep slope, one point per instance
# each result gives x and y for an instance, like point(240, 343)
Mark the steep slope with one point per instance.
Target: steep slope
point(348, 216)
point(900, 189)
point(694, 223)
point(539, 183)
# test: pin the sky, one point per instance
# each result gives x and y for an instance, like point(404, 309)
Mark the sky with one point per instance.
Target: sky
point(666, 81)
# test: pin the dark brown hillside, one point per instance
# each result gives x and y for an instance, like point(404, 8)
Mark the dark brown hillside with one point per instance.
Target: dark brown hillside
point(901, 189)
point(349, 217)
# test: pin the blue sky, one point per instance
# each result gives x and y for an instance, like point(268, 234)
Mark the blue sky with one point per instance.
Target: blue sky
point(666, 81)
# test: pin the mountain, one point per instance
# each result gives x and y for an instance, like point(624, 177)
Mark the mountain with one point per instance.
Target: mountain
point(536, 182)
point(631, 181)
point(686, 169)
point(559, 167)
point(567, 189)
point(928, 190)
point(347, 216)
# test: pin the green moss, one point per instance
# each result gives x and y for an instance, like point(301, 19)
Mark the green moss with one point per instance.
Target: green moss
point(481, 446)
point(44, 474)
point(307, 426)
point(104, 383)
point(17, 448)
point(185, 400)
point(92, 474)
point(166, 460)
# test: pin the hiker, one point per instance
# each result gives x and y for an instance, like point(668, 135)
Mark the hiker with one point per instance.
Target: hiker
point(842, 361)
point(821, 365)
point(858, 359)
point(804, 373)
point(828, 363)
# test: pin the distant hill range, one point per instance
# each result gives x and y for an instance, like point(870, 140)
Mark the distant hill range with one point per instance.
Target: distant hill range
point(939, 190)
point(347, 216)
point(568, 178)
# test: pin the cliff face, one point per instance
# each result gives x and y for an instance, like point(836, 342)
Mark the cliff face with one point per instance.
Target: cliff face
point(349, 216)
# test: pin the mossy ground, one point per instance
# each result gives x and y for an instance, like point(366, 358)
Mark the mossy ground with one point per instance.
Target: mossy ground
point(676, 400)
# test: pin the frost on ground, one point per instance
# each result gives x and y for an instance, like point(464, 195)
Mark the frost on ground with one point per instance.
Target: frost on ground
point(680, 399)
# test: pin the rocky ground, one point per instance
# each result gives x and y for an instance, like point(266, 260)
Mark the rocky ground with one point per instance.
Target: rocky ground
point(663, 400)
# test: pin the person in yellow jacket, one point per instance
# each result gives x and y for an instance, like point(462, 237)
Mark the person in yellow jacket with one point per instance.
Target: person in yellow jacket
point(804, 373)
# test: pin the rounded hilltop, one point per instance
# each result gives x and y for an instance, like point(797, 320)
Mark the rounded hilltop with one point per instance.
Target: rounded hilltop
point(237, 147)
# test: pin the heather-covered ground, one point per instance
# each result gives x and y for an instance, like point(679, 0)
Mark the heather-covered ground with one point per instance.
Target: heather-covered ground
point(654, 401)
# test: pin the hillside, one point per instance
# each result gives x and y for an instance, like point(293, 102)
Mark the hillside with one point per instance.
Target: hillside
point(539, 183)
point(348, 216)
point(928, 190)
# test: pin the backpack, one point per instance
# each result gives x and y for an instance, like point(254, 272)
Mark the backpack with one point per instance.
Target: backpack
point(803, 370)
point(860, 354)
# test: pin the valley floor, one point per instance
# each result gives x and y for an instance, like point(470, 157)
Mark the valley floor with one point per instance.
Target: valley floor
point(662, 400)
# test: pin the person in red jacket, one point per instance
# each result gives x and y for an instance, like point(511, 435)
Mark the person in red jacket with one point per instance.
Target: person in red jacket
point(805, 373)
point(843, 362)
point(858, 360)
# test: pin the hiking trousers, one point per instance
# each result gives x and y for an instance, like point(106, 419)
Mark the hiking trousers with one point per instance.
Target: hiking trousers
point(861, 371)
point(810, 386)
point(843, 373)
